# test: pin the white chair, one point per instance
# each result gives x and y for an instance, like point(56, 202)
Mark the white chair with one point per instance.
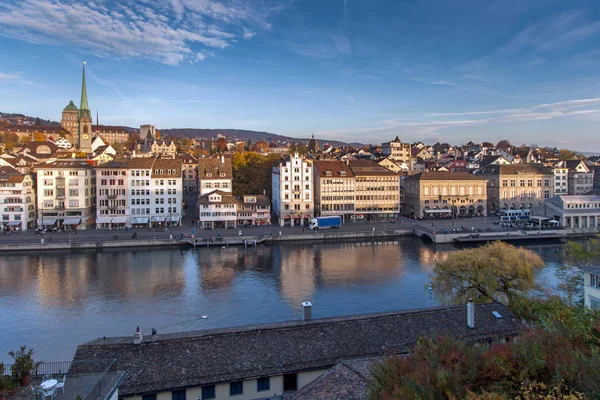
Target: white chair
point(61, 384)
point(49, 392)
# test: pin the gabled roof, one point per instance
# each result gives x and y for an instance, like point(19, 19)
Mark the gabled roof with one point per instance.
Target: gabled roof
point(260, 200)
point(215, 166)
point(226, 198)
point(169, 361)
point(11, 175)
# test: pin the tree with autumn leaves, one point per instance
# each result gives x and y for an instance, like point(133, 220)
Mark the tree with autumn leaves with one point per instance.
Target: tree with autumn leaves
point(557, 357)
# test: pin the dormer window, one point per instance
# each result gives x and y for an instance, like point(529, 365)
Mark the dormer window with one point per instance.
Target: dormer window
point(222, 174)
point(208, 174)
point(327, 173)
point(342, 173)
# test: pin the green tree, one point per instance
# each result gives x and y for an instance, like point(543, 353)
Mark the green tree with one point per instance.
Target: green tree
point(37, 122)
point(494, 272)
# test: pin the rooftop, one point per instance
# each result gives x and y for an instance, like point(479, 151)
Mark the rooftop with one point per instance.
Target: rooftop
point(335, 167)
point(445, 176)
point(368, 167)
point(215, 166)
point(170, 361)
point(517, 169)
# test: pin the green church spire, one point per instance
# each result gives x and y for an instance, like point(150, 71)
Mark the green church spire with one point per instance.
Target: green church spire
point(84, 109)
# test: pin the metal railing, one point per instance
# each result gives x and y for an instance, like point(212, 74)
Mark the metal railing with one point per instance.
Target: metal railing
point(102, 383)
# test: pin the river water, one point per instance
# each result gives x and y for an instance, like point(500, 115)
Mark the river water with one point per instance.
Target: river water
point(54, 301)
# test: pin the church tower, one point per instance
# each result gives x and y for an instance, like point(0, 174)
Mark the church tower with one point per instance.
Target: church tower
point(84, 137)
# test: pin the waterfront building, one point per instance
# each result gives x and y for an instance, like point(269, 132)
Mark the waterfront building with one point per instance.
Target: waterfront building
point(591, 288)
point(377, 190)
point(561, 179)
point(335, 189)
point(140, 192)
point(253, 210)
point(517, 186)
point(280, 359)
point(578, 211)
point(581, 177)
point(217, 209)
point(292, 186)
point(443, 194)
point(215, 174)
point(17, 199)
point(190, 172)
point(397, 151)
point(66, 194)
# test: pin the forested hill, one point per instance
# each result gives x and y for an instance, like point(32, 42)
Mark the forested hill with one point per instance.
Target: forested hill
point(241, 134)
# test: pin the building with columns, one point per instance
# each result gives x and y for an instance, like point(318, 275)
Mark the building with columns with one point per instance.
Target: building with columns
point(292, 185)
point(574, 211)
point(445, 194)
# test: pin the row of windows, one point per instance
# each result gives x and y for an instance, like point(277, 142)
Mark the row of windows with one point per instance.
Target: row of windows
point(377, 197)
point(112, 203)
point(522, 182)
point(582, 205)
point(296, 207)
point(218, 214)
point(334, 198)
point(461, 190)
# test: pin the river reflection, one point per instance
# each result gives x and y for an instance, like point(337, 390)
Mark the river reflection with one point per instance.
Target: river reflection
point(54, 301)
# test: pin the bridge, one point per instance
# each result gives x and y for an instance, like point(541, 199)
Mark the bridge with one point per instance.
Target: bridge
point(450, 236)
point(225, 241)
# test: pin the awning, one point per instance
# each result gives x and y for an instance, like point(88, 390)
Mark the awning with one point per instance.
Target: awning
point(14, 223)
point(158, 219)
point(72, 221)
point(47, 221)
point(174, 218)
point(139, 220)
point(119, 220)
point(286, 217)
point(103, 220)
point(306, 216)
point(438, 211)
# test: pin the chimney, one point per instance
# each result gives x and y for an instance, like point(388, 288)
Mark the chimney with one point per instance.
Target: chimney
point(470, 314)
point(307, 306)
point(137, 338)
point(222, 159)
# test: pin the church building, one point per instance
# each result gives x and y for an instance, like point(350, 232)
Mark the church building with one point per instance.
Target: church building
point(79, 121)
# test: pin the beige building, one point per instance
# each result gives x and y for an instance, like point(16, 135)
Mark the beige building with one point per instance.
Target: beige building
point(292, 185)
point(517, 186)
point(445, 194)
point(377, 190)
point(335, 188)
point(397, 151)
point(160, 147)
point(394, 166)
point(190, 172)
point(66, 194)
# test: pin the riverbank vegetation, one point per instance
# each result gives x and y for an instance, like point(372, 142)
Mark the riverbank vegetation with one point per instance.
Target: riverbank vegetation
point(557, 357)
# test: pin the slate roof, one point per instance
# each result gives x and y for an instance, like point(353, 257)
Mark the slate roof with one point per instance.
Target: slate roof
point(348, 380)
point(165, 165)
point(133, 163)
point(169, 361)
point(68, 164)
point(215, 167)
point(445, 176)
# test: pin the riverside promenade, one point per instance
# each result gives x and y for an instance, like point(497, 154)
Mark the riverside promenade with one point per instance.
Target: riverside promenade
point(436, 230)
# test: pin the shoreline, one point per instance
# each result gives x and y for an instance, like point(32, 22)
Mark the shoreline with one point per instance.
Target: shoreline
point(329, 236)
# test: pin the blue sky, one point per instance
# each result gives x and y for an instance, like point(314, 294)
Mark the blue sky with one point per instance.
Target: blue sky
point(352, 70)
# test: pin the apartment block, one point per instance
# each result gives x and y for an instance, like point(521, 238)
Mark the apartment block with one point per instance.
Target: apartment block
point(377, 190)
point(139, 192)
point(66, 194)
point(215, 174)
point(17, 199)
point(335, 188)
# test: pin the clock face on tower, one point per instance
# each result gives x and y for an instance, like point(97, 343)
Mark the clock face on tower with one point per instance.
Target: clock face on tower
point(85, 136)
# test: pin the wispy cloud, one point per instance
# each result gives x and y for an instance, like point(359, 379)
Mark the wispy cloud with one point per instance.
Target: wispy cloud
point(15, 78)
point(168, 32)
point(432, 127)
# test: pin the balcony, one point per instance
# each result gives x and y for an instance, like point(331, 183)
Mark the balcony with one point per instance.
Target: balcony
point(112, 196)
point(92, 380)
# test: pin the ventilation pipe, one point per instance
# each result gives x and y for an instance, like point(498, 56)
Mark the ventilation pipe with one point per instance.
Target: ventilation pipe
point(471, 314)
point(307, 306)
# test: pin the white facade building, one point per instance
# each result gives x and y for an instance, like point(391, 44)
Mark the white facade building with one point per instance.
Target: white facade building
point(575, 211)
point(591, 288)
point(293, 195)
point(140, 192)
point(217, 209)
point(561, 179)
point(17, 199)
point(215, 174)
point(66, 194)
